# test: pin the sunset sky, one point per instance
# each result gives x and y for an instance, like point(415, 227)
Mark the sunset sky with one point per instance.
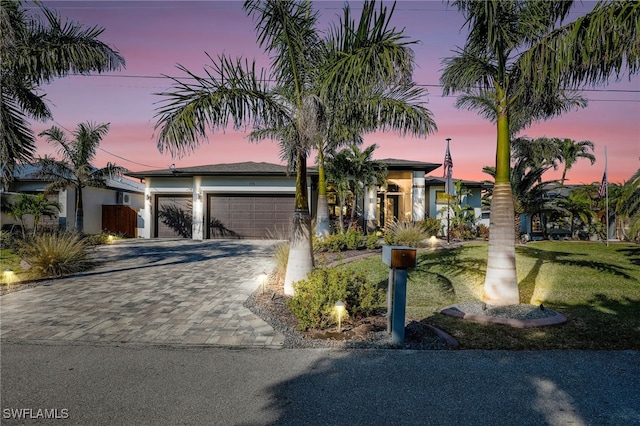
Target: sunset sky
point(155, 36)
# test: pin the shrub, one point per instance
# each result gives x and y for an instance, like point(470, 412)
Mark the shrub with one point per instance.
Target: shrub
point(410, 234)
point(462, 232)
point(314, 300)
point(350, 240)
point(431, 226)
point(372, 242)
point(55, 254)
point(483, 232)
point(353, 239)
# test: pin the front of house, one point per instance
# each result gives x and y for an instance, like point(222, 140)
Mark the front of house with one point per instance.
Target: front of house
point(256, 200)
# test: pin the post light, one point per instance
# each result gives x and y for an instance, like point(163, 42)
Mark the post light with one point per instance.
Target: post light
point(9, 276)
point(340, 309)
point(262, 281)
point(110, 238)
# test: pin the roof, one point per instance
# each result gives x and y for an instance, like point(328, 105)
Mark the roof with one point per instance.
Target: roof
point(418, 166)
point(248, 168)
point(432, 180)
point(27, 172)
point(251, 168)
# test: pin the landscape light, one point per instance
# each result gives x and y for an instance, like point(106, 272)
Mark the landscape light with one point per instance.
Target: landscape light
point(340, 309)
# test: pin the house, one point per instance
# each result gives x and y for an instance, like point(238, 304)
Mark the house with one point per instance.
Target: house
point(111, 209)
point(256, 200)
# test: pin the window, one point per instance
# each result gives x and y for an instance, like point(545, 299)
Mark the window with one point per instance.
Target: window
point(536, 223)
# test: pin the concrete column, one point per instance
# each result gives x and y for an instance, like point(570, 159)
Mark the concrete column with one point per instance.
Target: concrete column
point(371, 208)
point(198, 209)
point(418, 197)
point(145, 228)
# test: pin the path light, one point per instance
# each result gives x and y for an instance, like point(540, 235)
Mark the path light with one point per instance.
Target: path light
point(9, 276)
point(433, 241)
point(262, 281)
point(340, 309)
point(110, 238)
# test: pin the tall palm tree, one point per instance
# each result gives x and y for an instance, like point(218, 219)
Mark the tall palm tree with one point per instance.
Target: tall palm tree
point(514, 68)
point(286, 103)
point(74, 169)
point(368, 73)
point(35, 49)
point(571, 151)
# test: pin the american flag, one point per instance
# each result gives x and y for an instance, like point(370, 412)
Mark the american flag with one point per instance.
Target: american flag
point(448, 171)
point(603, 186)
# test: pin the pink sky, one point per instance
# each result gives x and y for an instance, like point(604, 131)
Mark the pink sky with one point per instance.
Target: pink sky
point(154, 36)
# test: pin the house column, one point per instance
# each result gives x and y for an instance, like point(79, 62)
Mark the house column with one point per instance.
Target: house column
point(370, 208)
point(417, 196)
point(145, 215)
point(197, 214)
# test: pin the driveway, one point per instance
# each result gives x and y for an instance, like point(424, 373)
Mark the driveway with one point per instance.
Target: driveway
point(180, 292)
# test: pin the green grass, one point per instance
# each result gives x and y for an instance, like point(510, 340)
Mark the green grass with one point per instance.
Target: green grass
point(596, 287)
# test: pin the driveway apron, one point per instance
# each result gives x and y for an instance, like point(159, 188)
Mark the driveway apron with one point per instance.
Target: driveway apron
point(179, 292)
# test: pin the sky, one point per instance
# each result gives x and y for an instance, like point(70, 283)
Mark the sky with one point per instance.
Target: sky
point(154, 37)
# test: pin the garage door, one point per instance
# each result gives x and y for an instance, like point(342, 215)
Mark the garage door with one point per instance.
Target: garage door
point(173, 216)
point(249, 216)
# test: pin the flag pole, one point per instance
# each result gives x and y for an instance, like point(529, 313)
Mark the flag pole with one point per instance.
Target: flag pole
point(606, 194)
point(447, 170)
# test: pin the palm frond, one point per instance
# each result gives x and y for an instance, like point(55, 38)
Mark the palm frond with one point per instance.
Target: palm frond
point(231, 93)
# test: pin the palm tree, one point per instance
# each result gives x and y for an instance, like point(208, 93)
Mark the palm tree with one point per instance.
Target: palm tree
point(571, 151)
point(35, 50)
point(580, 209)
point(285, 104)
point(74, 169)
point(514, 68)
point(27, 204)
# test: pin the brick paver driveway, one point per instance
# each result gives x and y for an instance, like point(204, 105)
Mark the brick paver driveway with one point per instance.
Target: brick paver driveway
point(150, 291)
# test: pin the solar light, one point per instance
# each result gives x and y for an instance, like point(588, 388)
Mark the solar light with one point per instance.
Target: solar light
point(340, 310)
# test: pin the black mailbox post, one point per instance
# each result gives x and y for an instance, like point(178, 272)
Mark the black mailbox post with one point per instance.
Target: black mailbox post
point(398, 258)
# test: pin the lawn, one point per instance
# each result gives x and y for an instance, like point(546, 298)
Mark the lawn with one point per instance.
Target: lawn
point(596, 287)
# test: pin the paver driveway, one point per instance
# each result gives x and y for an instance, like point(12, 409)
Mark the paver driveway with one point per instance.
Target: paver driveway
point(150, 291)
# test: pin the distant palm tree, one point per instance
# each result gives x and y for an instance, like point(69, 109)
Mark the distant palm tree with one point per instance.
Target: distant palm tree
point(74, 169)
point(287, 104)
point(571, 151)
point(515, 67)
point(35, 49)
point(33, 205)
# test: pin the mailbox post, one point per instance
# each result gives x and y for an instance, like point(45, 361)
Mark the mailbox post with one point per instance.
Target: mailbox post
point(398, 258)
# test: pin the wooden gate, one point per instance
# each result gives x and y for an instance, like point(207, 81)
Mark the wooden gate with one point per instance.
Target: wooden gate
point(119, 219)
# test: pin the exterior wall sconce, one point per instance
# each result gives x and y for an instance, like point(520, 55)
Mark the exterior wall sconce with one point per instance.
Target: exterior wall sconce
point(148, 197)
point(200, 195)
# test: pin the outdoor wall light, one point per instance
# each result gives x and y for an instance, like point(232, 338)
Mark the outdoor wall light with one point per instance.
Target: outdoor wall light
point(200, 195)
point(148, 197)
point(340, 310)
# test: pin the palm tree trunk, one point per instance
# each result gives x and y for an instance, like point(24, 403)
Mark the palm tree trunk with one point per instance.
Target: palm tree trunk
point(79, 226)
point(300, 261)
point(322, 216)
point(501, 282)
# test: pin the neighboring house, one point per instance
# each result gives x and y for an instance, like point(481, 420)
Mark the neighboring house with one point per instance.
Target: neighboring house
point(256, 200)
point(437, 201)
point(111, 209)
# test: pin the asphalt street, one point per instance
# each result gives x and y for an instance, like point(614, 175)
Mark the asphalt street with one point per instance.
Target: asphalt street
point(88, 384)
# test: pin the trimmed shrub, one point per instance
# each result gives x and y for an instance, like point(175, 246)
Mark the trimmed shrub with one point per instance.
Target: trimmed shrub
point(315, 297)
point(54, 254)
point(350, 240)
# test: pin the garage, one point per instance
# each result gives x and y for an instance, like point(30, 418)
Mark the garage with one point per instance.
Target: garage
point(249, 215)
point(173, 216)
